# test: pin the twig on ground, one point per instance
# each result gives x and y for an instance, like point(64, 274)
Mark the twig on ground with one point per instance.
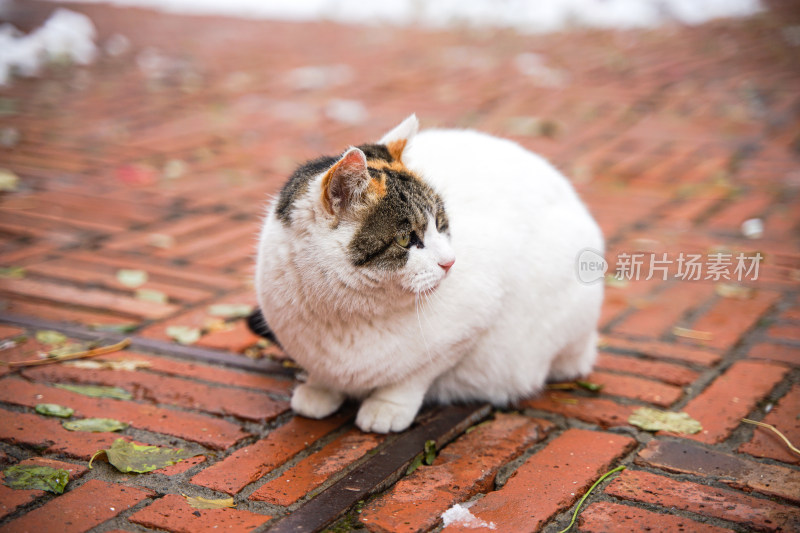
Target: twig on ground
point(71, 357)
point(774, 430)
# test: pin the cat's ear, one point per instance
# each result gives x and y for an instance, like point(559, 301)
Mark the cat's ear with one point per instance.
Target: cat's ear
point(346, 182)
point(397, 139)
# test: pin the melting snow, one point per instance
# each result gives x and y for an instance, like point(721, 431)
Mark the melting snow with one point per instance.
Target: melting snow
point(66, 34)
point(523, 15)
point(461, 516)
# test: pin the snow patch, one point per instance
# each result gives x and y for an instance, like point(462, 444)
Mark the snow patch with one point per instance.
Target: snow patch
point(65, 35)
point(461, 516)
point(523, 15)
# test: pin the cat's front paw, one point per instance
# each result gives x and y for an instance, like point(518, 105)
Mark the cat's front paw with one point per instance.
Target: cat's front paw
point(314, 402)
point(382, 416)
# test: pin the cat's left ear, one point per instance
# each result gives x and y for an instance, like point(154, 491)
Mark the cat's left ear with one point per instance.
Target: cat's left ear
point(346, 183)
point(397, 139)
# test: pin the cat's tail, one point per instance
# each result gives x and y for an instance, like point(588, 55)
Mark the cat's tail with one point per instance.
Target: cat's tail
point(259, 326)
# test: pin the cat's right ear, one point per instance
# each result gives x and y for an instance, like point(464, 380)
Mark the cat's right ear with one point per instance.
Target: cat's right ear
point(397, 139)
point(345, 183)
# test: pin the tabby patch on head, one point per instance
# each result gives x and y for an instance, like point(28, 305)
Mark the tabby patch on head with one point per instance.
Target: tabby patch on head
point(400, 221)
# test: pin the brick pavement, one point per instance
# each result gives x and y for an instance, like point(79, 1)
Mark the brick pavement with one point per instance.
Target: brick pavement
point(160, 159)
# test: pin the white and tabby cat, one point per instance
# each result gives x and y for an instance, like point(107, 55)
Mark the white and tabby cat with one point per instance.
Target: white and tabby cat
point(431, 266)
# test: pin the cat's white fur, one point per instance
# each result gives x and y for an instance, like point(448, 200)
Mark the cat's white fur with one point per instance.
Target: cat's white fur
point(509, 314)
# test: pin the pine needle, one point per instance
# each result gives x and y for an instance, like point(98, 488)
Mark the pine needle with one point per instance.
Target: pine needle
point(70, 357)
point(580, 503)
point(774, 430)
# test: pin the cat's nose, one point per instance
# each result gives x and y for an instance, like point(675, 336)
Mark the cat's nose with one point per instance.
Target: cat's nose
point(446, 265)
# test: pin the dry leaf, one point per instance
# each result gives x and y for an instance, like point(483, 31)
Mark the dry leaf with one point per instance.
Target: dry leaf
point(687, 333)
point(184, 334)
point(151, 295)
point(204, 503)
point(140, 458)
point(656, 420)
point(132, 278)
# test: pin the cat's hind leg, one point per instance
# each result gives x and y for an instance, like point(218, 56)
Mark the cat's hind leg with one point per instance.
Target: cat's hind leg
point(575, 361)
point(316, 402)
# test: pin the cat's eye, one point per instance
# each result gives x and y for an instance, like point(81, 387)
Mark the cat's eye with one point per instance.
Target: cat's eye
point(403, 240)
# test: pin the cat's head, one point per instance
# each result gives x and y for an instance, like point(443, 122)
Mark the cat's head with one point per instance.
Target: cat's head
point(389, 224)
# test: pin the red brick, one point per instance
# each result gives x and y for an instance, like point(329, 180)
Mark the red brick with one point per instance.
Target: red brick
point(181, 467)
point(756, 513)
point(599, 411)
point(63, 312)
point(236, 338)
point(664, 310)
point(211, 373)
point(10, 331)
point(81, 509)
point(462, 469)
point(315, 469)
point(730, 218)
point(212, 432)
point(785, 331)
point(664, 350)
point(219, 400)
point(633, 387)
point(729, 319)
point(550, 481)
point(199, 276)
point(686, 458)
point(730, 397)
point(173, 513)
point(78, 271)
point(782, 353)
point(13, 499)
point(666, 372)
point(250, 463)
point(607, 517)
point(94, 298)
point(783, 416)
point(48, 434)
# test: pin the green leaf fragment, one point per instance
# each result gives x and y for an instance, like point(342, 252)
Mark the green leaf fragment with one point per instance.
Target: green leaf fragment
point(97, 391)
point(48, 336)
point(430, 452)
point(416, 463)
point(94, 425)
point(650, 419)
point(12, 272)
point(230, 310)
point(67, 349)
point(588, 385)
point(141, 458)
point(115, 328)
point(52, 409)
point(29, 477)
point(132, 278)
point(184, 334)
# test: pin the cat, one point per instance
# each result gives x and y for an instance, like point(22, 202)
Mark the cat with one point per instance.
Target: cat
point(432, 266)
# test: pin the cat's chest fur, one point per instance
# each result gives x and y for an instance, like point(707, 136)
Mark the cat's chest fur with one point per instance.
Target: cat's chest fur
point(438, 265)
